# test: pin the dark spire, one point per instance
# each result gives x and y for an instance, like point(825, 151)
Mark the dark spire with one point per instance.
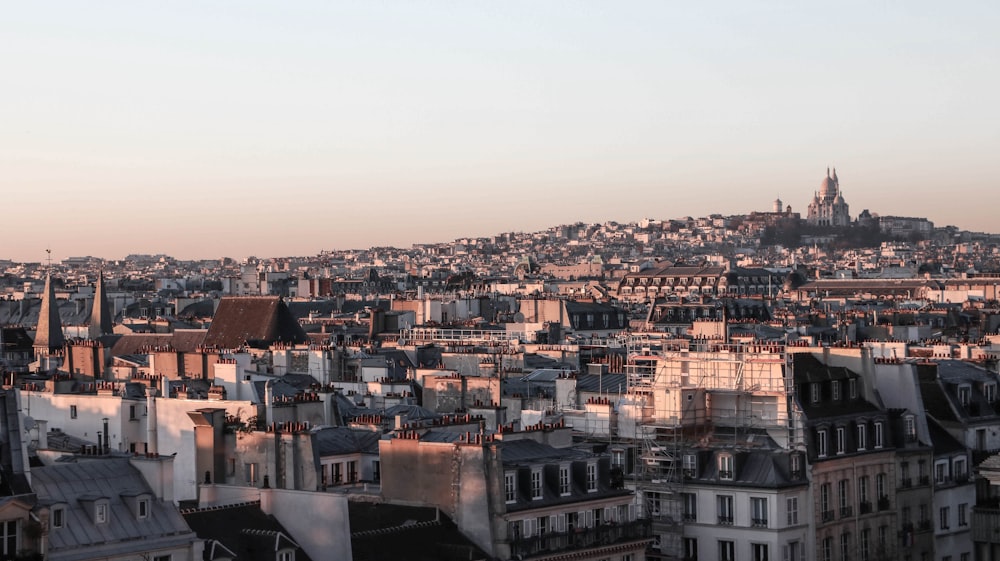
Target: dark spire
point(49, 334)
point(100, 314)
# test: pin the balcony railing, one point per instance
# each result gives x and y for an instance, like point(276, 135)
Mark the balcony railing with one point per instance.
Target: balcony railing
point(865, 507)
point(846, 511)
point(689, 517)
point(726, 475)
point(725, 520)
point(924, 526)
point(828, 515)
point(925, 480)
point(986, 524)
point(883, 503)
point(582, 538)
point(758, 522)
point(905, 483)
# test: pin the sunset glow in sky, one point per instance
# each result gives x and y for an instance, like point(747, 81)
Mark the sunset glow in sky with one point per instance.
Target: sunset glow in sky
point(208, 129)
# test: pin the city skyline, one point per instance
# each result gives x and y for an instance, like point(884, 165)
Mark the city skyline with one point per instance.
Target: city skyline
point(203, 131)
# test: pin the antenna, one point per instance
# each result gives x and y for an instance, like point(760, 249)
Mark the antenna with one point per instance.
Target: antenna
point(48, 257)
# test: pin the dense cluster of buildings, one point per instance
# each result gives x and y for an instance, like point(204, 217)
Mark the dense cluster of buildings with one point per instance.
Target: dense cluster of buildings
point(672, 390)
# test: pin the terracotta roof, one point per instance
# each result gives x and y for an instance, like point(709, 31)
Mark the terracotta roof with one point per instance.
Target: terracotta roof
point(253, 320)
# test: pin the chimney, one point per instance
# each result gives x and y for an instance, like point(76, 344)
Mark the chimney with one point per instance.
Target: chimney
point(151, 438)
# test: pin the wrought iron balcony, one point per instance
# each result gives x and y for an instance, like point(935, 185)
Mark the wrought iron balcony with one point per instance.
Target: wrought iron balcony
point(582, 538)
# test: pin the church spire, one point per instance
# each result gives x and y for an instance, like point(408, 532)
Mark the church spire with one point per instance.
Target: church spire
point(100, 313)
point(48, 335)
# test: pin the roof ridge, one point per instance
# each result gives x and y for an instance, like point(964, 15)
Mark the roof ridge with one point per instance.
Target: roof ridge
point(218, 507)
point(391, 529)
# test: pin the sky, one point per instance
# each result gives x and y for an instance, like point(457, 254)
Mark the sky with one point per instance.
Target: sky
point(235, 128)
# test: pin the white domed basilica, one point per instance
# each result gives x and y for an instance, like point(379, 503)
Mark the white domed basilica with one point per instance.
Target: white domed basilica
point(828, 207)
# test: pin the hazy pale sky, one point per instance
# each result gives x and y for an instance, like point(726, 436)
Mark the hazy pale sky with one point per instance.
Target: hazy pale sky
point(204, 129)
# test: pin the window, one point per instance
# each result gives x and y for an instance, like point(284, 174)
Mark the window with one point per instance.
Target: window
point(725, 507)
point(841, 440)
point(100, 513)
point(72, 411)
point(792, 510)
point(250, 471)
point(843, 491)
point(510, 487)
point(287, 555)
point(352, 471)
point(796, 466)
point(865, 544)
point(904, 474)
point(824, 502)
point(758, 512)
point(964, 394)
point(821, 443)
point(814, 392)
point(691, 548)
point(794, 551)
point(58, 517)
point(944, 515)
point(863, 500)
point(9, 530)
point(142, 508)
point(835, 390)
point(758, 551)
point(990, 391)
point(941, 472)
point(852, 388)
point(536, 484)
point(959, 472)
point(563, 480)
point(689, 506)
point(827, 548)
point(727, 550)
point(883, 536)
point(690, 465)
point(963, 514)
point(845, 545)
point(862, 436)
point(880, 490)
point(878, 435)
point(168, 557)
point(131, 412)
point(910, 427)
point(726, 467)
point(591, 478)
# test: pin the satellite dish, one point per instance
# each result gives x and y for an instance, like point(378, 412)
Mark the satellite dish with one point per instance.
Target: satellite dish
point(518, 317)
point(29, 423)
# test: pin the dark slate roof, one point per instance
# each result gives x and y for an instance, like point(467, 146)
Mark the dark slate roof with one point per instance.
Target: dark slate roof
point(336, 441)
point(936, 401)
point(243, 529)
point(406, 533)
point(200, 309)
point(279, 389)
point(412, 412)
point(529, 451)
point(942, 441)
point(111, 478)
point(810, 369)
point(253, 320)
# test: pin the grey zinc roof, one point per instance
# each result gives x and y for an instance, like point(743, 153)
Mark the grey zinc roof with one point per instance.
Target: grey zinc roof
point(336, 441)
point(124, 533)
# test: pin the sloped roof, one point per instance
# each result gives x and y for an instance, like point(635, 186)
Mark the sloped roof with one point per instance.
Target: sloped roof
point(182, 340)
point(406, 533)
point(72, 484)
point(253, 320)
point(335, 441)
point(244, 529)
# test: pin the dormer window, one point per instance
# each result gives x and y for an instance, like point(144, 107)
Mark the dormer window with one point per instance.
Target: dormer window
point(878, 435)
point(964, 395)
point(100, 513)
point(142, 508)
point(726, 467)
point(795, 462)
point(821, 443)
point(862, 436)
point(835, 390)
point(852, 388)
point(510, 487)
point(910, 427)
point(58, 517)
point(990, 391)
point(536, 484)
point(814, 392)
point(591, 478)
point(690, 465)
point(841, 440)
point(563, 480)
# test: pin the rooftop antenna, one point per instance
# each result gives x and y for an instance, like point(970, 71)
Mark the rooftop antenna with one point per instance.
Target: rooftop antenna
point(48, 258)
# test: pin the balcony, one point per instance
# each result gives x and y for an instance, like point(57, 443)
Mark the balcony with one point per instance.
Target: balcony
point(905, 483)
point(846, 512)
point(582, 538)
point(924, 526)
point(828, 516)
point(726, 475)
point(725, 520)
point(925, 480)
point(689, 517)
point(865, 507)
point(883, 503)
point(758, 522)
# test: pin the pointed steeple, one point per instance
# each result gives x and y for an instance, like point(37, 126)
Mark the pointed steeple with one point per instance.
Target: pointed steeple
point(100, 313)
point(49, 335)
point(835, 180)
